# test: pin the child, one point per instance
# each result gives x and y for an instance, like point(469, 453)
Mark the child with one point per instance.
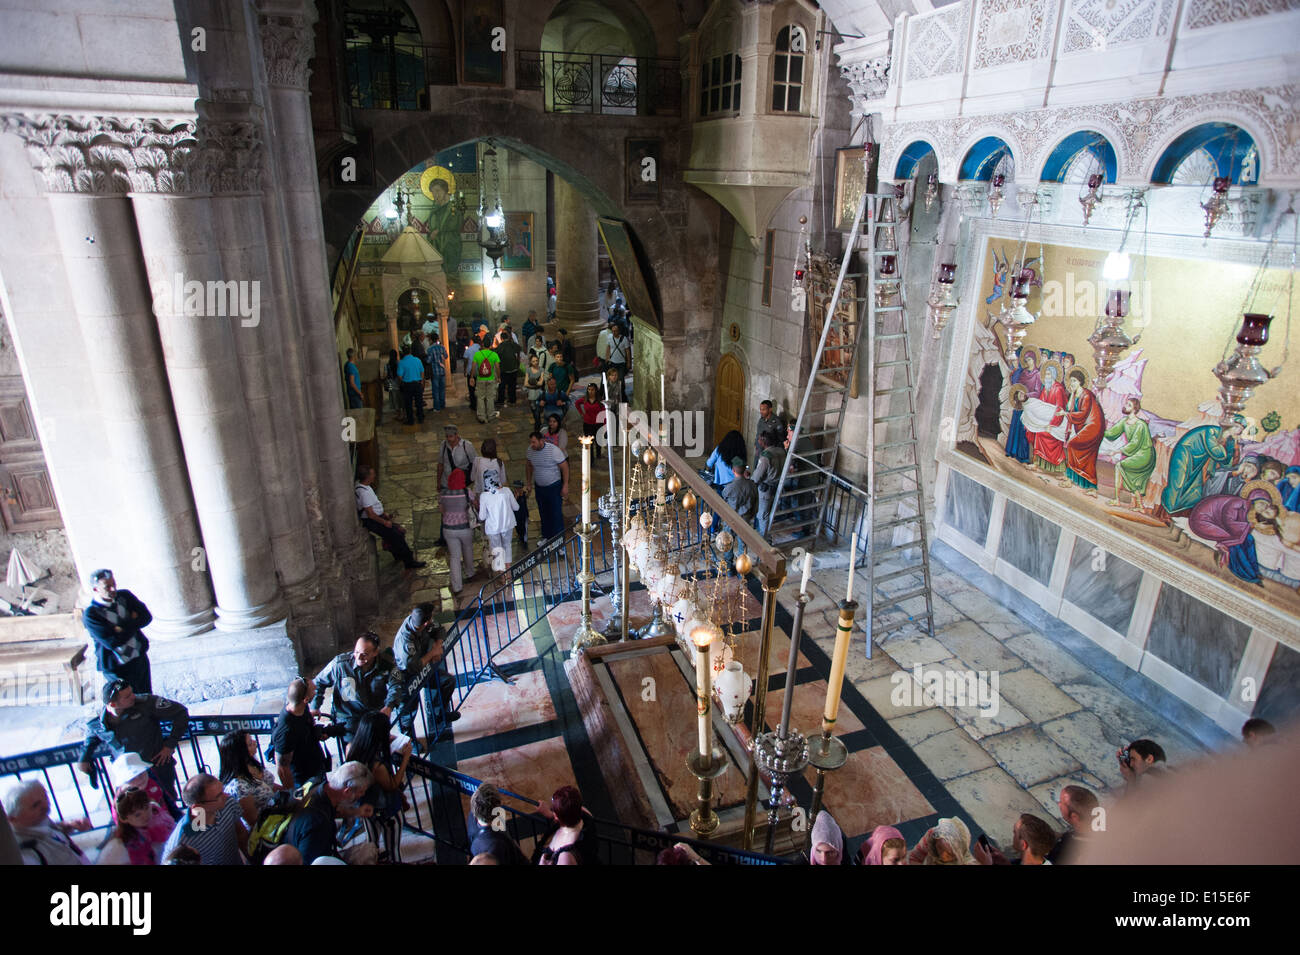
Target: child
point(496, 509)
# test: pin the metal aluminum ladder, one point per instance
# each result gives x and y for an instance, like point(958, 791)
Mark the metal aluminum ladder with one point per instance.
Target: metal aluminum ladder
point(895, 549)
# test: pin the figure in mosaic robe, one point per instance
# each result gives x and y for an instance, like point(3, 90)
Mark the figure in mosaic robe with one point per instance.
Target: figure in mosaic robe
point(1017, 445)
point(1289, 488)
point(1226, 521)
point(1195, 454)
point(1048, 449)
point(444, 229)
point(1027, 373)
point(1088, 426)
point(1137, 456)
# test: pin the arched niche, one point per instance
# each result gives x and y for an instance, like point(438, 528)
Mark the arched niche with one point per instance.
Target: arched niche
point(1079, 155)
point(1224, 148)
point(911, 157)
point(983, 157)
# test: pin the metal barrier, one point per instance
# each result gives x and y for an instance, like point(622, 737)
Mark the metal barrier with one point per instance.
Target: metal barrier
point(596, 83)
point(615, 843)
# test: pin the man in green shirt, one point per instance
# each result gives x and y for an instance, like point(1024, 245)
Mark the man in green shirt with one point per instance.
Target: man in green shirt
point(486, 365)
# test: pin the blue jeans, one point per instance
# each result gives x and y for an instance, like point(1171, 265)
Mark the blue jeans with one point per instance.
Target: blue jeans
point(439, 383)
point(549, 501)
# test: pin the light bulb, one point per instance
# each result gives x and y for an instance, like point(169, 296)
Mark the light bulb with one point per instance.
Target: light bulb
point(495, 220)
point(1116, 268)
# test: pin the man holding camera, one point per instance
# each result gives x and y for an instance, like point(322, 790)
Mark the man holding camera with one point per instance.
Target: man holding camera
point(418, 644)
point(296, 739)
point(362, 680)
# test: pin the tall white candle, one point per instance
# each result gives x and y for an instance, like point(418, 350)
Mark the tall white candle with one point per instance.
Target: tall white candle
point(663, 403)
point(604, 380)
point(704, 690)
point(586, 480)
point(853, 559)
point(807, 571)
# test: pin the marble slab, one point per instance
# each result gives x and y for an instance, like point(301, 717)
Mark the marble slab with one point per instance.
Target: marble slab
point(870, 790)
point(806, 711)
point(968, 507)
point(1197, 639)
point(1279, 698)
point(1102, 584)
point(666, 727)
point(497, 707)
point(534, 770)
point(1028, 542)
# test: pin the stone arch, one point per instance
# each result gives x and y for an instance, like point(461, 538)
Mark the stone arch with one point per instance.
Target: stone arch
point(1201, 132)
point(982, 153)
point(1053, 166)
point(905, 162)
point(592, 165)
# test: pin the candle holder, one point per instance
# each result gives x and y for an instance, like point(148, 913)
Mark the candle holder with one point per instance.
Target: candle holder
point(1109, 341)
point(825, 752)
point(1090, 198)
point(704, 821)
point(996, 195)
point(707, 763)
point(1241, 372)
point(887, 280)
point(1217, 205)
point(1018, 318)
point(784, 753)
point(943, 299)
point(586, 636)
point(931, 190)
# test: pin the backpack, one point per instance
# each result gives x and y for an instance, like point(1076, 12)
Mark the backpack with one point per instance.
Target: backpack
point(274, 819)
point(485, 369)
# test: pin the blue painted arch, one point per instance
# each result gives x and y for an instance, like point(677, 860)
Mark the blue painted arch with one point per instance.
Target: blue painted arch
point(1227, 144)
point(911, 157)
point(982, 158)
point(1071, 147)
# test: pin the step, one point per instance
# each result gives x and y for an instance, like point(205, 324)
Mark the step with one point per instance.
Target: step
point(894, 444)
point(894, 417)
point(902, 468)
point(897, 522)
point(891, 364)
point(897, 496)
point(895, 574)
point(900, 598)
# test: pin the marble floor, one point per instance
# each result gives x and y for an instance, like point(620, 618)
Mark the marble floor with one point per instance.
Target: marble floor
point(1063, 706)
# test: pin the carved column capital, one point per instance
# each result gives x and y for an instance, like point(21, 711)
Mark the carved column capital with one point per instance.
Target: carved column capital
point(288, 43)
point(116, 155)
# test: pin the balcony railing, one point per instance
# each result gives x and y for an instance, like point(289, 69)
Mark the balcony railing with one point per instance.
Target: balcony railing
point(596, 83)
point(398, 77)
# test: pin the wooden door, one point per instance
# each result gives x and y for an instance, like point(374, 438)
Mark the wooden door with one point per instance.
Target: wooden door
point(26, 494)
point(729, 398)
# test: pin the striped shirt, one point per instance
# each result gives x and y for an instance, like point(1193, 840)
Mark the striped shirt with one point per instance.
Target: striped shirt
point(217, 843)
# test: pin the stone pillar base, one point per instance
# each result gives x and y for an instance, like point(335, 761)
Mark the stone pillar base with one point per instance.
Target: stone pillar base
point(222, 664)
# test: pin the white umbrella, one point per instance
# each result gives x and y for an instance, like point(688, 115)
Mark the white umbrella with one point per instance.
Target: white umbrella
point(20, 573)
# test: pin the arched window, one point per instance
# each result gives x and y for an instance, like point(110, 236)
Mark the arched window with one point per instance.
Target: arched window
point(720, 84)
point(787, 69)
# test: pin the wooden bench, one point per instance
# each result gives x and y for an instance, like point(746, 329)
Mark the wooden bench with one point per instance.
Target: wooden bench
point(39, 659)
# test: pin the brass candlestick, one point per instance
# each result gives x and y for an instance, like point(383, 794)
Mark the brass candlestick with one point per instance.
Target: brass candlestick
point(586, 635)
point(825, 752)
point(784, 753)
point(705, 768)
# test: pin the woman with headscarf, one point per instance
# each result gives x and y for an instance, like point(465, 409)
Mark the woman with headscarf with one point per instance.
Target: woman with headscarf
point(948, 843)
point(885, 846)
point(456, 531)
point(827, 841)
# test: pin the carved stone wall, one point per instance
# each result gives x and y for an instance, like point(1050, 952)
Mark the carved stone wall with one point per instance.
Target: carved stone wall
point(1106, 24)
point(1212, 13)
point(1139, 130)
point(936, 43)
point(1013, 31)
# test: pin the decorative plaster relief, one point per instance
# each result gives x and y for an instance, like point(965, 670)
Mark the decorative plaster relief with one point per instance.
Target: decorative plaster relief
point(104, 155)
point(868, 79)
point(288, 43)
point(1105, 24)
point(1138, 129)
point(1211, 13)
point(936, 43)
point(1013, 31)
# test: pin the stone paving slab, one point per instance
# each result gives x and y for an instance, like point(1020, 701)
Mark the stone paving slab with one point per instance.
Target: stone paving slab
point(1029, 755)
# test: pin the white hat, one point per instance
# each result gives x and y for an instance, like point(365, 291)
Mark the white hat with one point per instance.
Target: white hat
point(126, 768)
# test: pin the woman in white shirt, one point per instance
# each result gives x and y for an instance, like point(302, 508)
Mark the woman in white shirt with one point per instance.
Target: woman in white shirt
point(486, 465)
point(496, 509)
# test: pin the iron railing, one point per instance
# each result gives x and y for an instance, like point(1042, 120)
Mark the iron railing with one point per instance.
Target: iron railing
point(397, 76)
point(435, 808)
point(597, 83)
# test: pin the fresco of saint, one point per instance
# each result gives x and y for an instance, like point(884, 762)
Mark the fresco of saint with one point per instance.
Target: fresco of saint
point(1138, 454)
point(1227, 520)
point(1045, 420)
point(1194, 454)
point(1088, 427)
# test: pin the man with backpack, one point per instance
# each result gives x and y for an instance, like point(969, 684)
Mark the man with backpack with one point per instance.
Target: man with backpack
point(305, 819)
point(486, 364)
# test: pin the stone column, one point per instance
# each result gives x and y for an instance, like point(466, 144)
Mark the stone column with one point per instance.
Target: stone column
point(174, 172)
point(147, 531)
point(287, 44)
point(257, 328)
point(576, 307)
